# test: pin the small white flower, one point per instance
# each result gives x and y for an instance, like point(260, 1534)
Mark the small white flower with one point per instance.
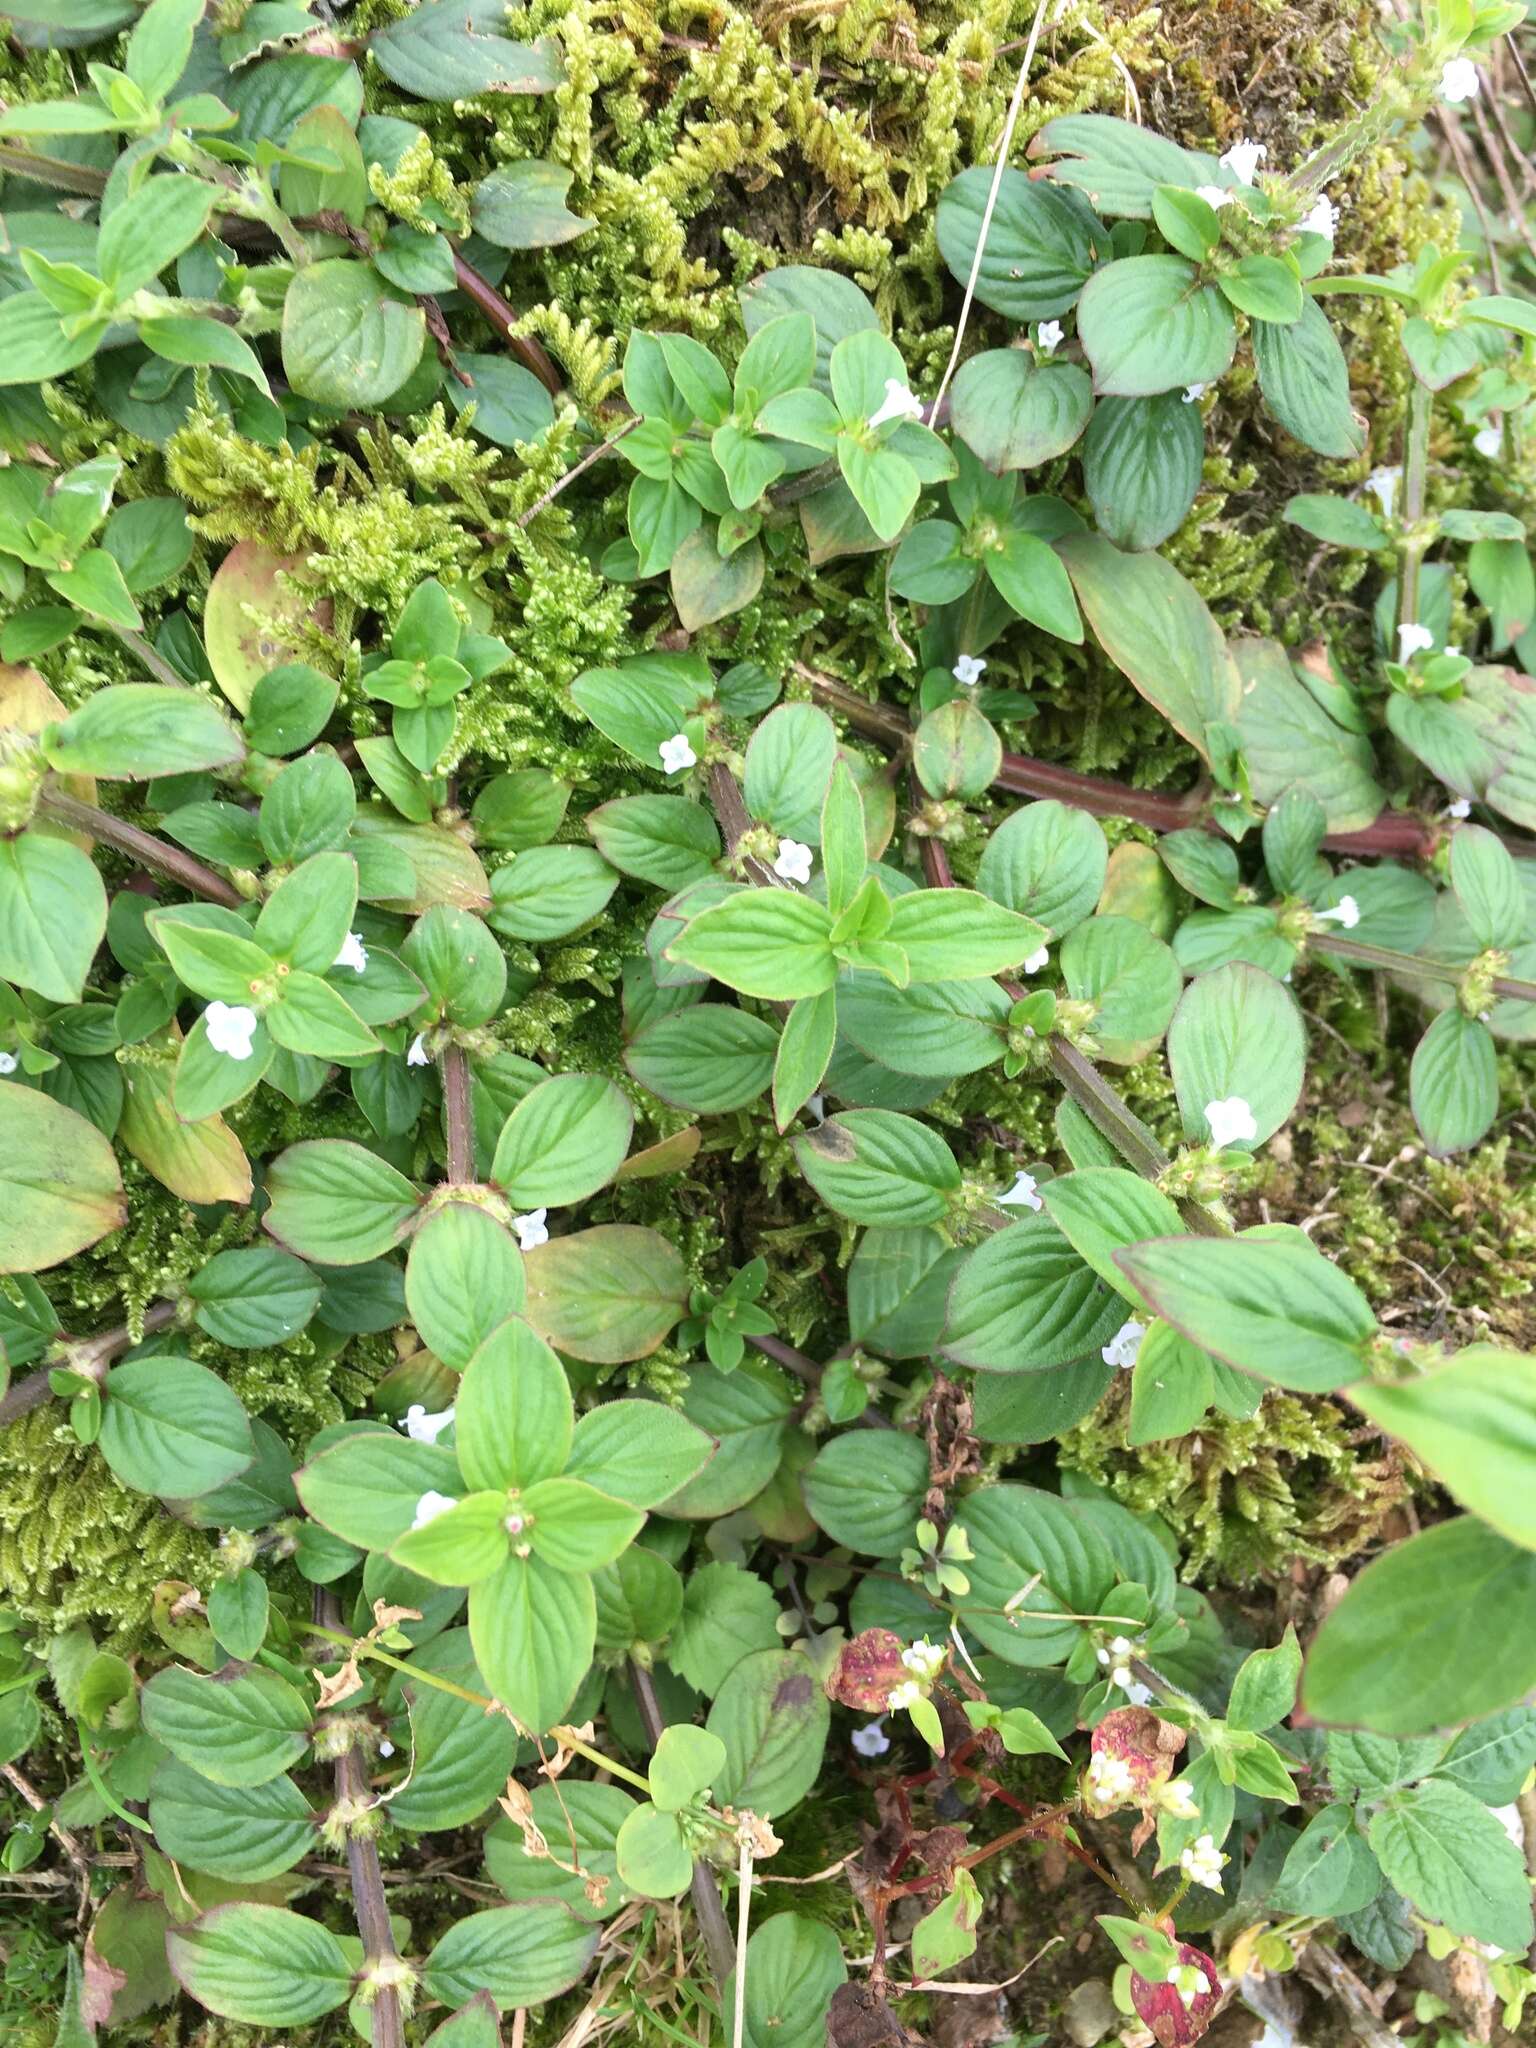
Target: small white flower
point(1193, 393)
point(424, 1428)
point(902, 1696)
point(1188, 1981)
point(1215, 196)
point(1460, 80)
point(968, 669)
point(1384, 483)
point(1120, 1646)
point(1139, 1695)
point(677, 753)
point(1102, 1655)
point(418, 1056)
point(1462, 808)
point(1121, 1350)
point(1449, 649)
point(430, 1506)
point(353, 954)
point(1038, 961)
point(7, 1063)
point(1345, 913)
point(1121, 1675)
point(899, 404)
point(530, 1229)
point(793, 861)
point(1489, 441)
point(230, 1026)
point(1048, 336)
point(1243, 160)
point(1412, 640)
point(924, 1660)
point(1323, 219)
point(1202, 1864)
point(1230, 1119)
point(386, 1748)
point(816, 1106)
point(1022, 1194)
point(1108, 1778)
point(1178, 1800)
point(871, 1739)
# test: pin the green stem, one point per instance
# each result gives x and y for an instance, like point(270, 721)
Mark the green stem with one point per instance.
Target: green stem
point(1413, 967)
point(1415, 541)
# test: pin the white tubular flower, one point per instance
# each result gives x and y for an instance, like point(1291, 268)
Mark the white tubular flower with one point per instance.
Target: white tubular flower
point(530, 1229)
point(1413, 639)
point(899, 404)
point(1243, 160)
point(1323, 219)
point(1202, 1864)
point(230, 1026)
point(417, 1055)
point(793, 861)
point(1489, 441)
point(1215, 196)
point(424, 1428)
point(353, 954)
point(1178, 1800)
point(1460, 80)
point(1230, 1120)
point(1022, 1194)
point(1048, 336)
point(7, 1063)
point(386, 1748)
point(1462, 808)
point(1139, 1695)
point(1345, 913)
point(871, 1739)
point(1120, 1646)
point(1108, 1779)
point(1121, 1676)
point(902, 1696)
point(430, 1506)
point(1038, 961)
point(968, 669)
point(1121, 1350)
point(924, 1660)
point(1384, 483)
point(1193, 393)
point(677, 753)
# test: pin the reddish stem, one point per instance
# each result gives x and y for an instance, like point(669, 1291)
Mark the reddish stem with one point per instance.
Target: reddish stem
point(483, 294)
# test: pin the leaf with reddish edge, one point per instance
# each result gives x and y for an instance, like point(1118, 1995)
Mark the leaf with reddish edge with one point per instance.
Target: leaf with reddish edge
point(1176, 2016)
point(252, 620)
point(867, 1671)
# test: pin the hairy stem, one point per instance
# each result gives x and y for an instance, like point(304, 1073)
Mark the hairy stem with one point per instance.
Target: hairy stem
point(458, 1120)
point(34, 1390)
point(1413, 966)
point(152, 853)
point(718, 1944)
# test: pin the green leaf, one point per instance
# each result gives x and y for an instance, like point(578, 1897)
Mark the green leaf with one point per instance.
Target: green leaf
point(511, 404)
point(708, 586)
point(1185, 221)
point(151, 542)
point(462, 1545)
point(637, 1451)
point(1289, 741)
point(686, 1762)
point(533, 1629)
point(1339, 521)
point(1048, 862)
point(650, 1853)
point(1032, 1554)
point(592, 1815)
point(336, 1202)
point(306, 919)
point(804, 1050)
point(608, 1295)
point(576, 1528)
point(1172, 1386)
point(1487, 887)
point(1142, 462)
point(1027, 574)
point(1469, 1422)
point(958, 934)
point(237, 1613)
point(1041, 245)
point(260, 1964)
point(349, 339)
point(773, 943)
point(513, 1411)
point(728, 1613)
point(1491, 1759)
point(1147, 324)
point(1130, 977)
point(181, 337)
point(874, 1166)
point(668, 840)
point(947, 1935)
point(835, 303)
point(1450, 1857)
point(1408, 1649)
point(522, 206)
point(60, 1189)
point(463, 1278)
point(1305, 381)
point(1237, 1031)
point(709, 1058)
point(145, 233)
point(1014, 414)
point(866, 1489)
point(365, 1486)
point(772, 1716)
point(457, 49)
point(746, 1412)
point(565, 1140)
point(793, 1966)
point(524, 809)
point(310, 1016)
point(1329, 1869)
point(53, 913)
point(33, 344)
point(1102, 1209)
point(1264, 1690)
point(245, 1833)
point(788, 770)
point(551, 891)
point(643, 702)
point(1453, 1083)
point(172, 1428)
point(156, 53)
point(1266, 288)
point(898, 1287)
point(1154, 625)
point(95, 583)
point(1271, 1304)
point(1024, 1300)
point(241, 1727)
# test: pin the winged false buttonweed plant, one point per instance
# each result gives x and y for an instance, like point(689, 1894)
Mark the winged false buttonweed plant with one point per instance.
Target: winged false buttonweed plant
point(529, 1541)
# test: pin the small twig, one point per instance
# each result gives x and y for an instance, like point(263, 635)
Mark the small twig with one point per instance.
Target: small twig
point(718, 1944)
point(34, 1390)
point(80, 1862)
point(154, 854)
point(458, 1118)
point(1414, 966)
point(593, 455)
point(483, 295)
